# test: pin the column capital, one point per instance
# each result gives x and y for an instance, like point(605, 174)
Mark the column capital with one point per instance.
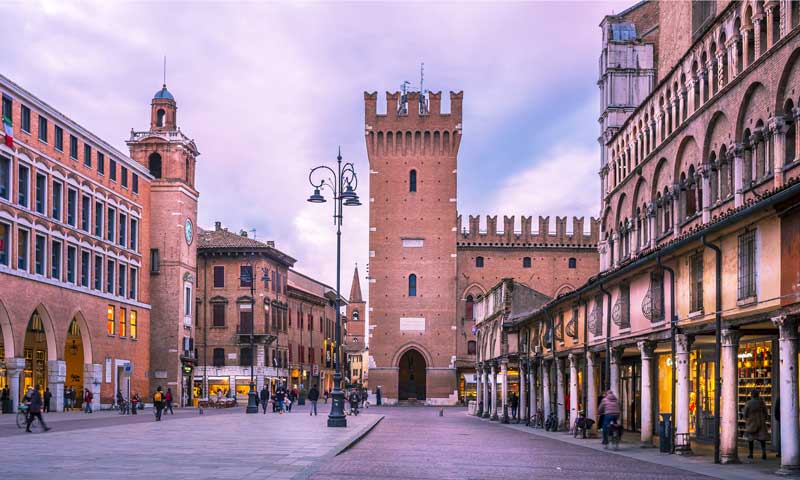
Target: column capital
point(646, 348)
point(682, 343)
point(778, 125)
point(616, 354)
point(730, 337)
point(15, 365)
point(787, 326)
point(573, 360)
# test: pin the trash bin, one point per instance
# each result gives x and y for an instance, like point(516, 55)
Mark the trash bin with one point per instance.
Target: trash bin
point(378, 395)
point(665, 433)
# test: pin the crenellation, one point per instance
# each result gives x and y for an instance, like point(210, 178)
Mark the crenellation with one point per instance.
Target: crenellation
point(525, 236)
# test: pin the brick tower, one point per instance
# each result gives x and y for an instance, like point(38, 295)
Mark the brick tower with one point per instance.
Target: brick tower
point(170, 156)
point(413, 151)
point(355, 314)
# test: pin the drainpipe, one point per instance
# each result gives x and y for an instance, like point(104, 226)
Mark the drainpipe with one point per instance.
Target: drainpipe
point(718, 341)
point(608, 336)
point(205, 326)
point(673, 321)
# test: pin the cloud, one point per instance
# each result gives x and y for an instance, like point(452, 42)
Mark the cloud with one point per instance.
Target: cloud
point(268, 90)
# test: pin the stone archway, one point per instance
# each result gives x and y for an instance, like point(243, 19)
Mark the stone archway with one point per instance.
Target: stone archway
point(35, 352)
point(412, 379)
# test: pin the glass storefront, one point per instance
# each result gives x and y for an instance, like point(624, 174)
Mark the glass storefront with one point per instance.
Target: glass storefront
point(630, 387)
point(701, 399)
point(664, 384)
point(467, 387)
point(755, 373)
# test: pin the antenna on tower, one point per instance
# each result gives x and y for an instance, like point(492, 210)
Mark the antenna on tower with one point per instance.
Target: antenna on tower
point(423, 98)
point(165, 70)
point(402, 107)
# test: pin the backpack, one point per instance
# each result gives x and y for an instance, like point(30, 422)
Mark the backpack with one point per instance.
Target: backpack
point(157, 397)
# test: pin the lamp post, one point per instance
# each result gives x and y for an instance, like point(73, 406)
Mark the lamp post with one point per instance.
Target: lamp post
point(343, 183)
point(247, 276)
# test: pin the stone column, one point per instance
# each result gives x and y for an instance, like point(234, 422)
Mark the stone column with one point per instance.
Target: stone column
point(745, 47)
point(675, 114)
point(651, 225)
point(573, 389)
point(738, 174)
point(702, 81)
point(779, 128)
point(478, 391)
point(504, 391)
point(616, 357)
point(676, 217)
point(532, 388)
point(486, 389)
point(591, 389)
point(56, 376)
point(14, 367)
point(790, 429)
point(720, 73)
point(523, 395)
point(769, 11)
point(646, 403)
point(93, 379)
point(706, 200)
point(757, 35)
point(682, 390)
point(561, 411)
point(546, 395)
point(493, 379)
point(729, 397)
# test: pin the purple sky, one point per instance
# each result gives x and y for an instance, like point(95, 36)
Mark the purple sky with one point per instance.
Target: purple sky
point(269, 90)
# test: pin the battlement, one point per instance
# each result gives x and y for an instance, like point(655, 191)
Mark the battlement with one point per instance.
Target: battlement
point(412, 114)
point(510, 236)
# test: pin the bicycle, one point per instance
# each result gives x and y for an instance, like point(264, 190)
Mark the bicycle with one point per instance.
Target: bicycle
point(124, 407)
point(22, 416)
point(615, 434)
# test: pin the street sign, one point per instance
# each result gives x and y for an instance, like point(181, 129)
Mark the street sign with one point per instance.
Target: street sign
point(128, 369)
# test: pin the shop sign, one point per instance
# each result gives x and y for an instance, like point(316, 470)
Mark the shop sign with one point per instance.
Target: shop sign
point(108, 370)
point(315, 370)
point(128, 369)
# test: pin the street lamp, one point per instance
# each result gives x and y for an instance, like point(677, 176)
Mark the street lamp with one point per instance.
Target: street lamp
point(342, 183)
point(247, 276)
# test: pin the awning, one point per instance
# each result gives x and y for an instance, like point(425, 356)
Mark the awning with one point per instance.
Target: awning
point(469, 378)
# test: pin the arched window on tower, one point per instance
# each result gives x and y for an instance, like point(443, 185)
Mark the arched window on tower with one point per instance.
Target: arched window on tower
point(469, 311)
point(160, 116)
point(472, 347)
point(412, 181)
point(154, 164)
point(791, 133)
point(412, 285)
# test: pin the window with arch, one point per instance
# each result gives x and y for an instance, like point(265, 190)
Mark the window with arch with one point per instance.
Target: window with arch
point(479, 262)
point(526, 262)
point(154, 164)
point(412, 285)
point(412, 181)
point(160, 116)
point(472, 347)
point(572, 262)
point(469, 311)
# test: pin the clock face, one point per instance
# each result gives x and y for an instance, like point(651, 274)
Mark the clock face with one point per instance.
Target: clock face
point(188, 231)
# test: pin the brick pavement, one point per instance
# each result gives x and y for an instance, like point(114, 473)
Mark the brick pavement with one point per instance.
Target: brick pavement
point(415, 443)
point(214, 446)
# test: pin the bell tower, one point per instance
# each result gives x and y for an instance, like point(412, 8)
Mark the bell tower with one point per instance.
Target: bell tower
point(170, 157)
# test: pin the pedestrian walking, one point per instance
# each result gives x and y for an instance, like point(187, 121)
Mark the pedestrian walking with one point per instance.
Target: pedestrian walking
point(35, 410)
point(47, 397)
point(609, 409)
point(134, 403)
point(354, 398)
point(279, 398)
point(513, 401)
point(755, 427)
point(326, 396)
point(364, 398)
point(264, 399)
point(87, 399)
point(313, 397)
point(158, 403)
point(168, 401)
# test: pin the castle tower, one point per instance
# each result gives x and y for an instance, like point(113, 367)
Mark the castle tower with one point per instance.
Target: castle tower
point(413, 151)
point(170, 157)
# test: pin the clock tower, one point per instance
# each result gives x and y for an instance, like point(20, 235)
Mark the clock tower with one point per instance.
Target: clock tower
point(170, 156)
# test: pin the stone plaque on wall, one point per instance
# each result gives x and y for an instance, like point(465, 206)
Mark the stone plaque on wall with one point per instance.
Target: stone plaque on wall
point(416, 324)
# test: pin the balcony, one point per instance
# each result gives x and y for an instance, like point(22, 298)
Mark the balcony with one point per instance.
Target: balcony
point(245, 329)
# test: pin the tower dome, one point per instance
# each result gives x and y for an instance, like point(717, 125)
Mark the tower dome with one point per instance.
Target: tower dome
point(164, 93)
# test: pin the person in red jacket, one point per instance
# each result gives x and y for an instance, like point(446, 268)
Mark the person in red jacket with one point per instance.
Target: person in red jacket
point(87, 400)
point(168, 401)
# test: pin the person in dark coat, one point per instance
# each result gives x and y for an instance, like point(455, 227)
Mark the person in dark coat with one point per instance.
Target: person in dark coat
point(35, 410)
point(264, 394)
point(755, 427)
point(513, 402)
point(158, 403)
point(313, 397)
point(47, 397)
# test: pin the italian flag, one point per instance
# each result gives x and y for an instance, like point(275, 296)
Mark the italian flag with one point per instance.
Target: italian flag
point(9, 132)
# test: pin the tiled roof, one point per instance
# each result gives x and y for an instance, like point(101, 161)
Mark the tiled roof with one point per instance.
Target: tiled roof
point(222, 238)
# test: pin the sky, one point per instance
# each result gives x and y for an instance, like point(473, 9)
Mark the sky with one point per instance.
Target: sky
point(270, 90)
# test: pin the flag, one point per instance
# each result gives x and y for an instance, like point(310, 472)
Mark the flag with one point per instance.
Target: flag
point(9, 132)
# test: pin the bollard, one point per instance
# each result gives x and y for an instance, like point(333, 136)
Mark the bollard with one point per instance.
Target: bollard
point(441, 412)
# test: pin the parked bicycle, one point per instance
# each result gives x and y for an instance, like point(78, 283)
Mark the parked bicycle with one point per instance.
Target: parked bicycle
point(582, 425)
point(551, 424)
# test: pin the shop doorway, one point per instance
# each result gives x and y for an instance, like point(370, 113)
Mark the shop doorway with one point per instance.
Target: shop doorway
point(35, 352)
point(630, 387)
point(701, 398)
point(412, 378)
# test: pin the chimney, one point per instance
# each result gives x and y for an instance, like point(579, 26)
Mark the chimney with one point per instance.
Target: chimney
point(217, 226)
point(243, 233)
